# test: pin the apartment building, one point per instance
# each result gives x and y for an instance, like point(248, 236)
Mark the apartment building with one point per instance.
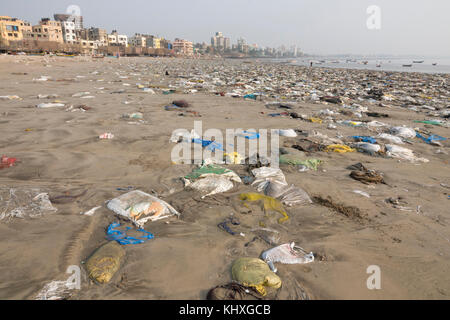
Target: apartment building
point(99, 36)
point(182, 46)
point(47, 30)
point(12, 29)
point(138, 40)
point(77, 20)
point(69, 33)
point(115, 39)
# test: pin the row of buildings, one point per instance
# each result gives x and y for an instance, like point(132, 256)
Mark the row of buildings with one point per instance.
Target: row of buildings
point(67, 33)
point(64, 29)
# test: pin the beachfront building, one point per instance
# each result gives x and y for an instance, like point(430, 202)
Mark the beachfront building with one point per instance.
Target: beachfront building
point(138, 40)
point(182, 46)
point(68, 30)
point(98, 35)
point(12, 29)
point(115, 39)
point(47, 30)
point(77, 20)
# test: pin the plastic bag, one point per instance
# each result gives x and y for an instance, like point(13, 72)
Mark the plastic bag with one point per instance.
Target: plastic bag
point(211, 179)
point(286, 253)
point(403, 153)
point(140, 207)
point(105, 262)
point(255, 273)
point(339, 148)
point(390, 138)
point(403, 132)
point(269, 203)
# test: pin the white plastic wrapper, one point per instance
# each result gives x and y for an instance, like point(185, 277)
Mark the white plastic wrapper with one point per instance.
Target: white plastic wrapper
point(403, 153)
point(210, 184)
point(403, 132)
point(286, 253)
point(140, 207)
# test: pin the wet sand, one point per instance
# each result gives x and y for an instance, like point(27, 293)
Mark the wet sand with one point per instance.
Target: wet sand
point(59, 152)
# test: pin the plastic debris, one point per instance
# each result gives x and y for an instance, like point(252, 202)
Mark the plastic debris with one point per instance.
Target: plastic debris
point(50, 105)
point(253, 272)
point(6, 162)
point(90, 212)
point(339, 148)
point(105, 262)
point(269, 204)
point(403, 153)
point(140, 207)
point(106, 136)
point(113, 233)
point(287, 253)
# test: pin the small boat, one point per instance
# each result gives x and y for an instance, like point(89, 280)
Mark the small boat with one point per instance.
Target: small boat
point(407, 65)
point(418, 61)
point(98, 56)
point(379, 65)
point(365, 62)
point(434, 64)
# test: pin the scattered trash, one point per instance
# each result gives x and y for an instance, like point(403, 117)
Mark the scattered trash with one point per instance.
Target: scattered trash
point(140, 207)
point(106, 135)
point(113, 233)
point(56, 290)
point(105, 262)
point(90, 212)
point(364, 194)
point(287, 253)
point(255, 273)
point(224, 225)
point(269, 204)
point(23, 202)
point(339, 148)
point(6, 162)
point(233, 291)
point(365, 175)
point(50, 105)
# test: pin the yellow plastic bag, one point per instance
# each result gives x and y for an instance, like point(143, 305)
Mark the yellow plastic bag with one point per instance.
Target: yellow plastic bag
point(269, 203)
point(315, 120)
point(340, 148)
point(253, 272)
point(105, 262)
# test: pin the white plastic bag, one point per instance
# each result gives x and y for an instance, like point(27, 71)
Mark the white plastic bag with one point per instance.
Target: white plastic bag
point(403, 132)
point(286, 253)
point(140, 207)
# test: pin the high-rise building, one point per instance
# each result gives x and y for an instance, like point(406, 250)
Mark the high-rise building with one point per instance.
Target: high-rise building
point(220, 43)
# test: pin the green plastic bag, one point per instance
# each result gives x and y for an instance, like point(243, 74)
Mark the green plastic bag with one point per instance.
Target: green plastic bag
point(211, 168)
point(253, 272)
point(312, 164)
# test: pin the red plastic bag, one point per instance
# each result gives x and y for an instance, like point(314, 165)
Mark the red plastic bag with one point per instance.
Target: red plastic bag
point(7, 162)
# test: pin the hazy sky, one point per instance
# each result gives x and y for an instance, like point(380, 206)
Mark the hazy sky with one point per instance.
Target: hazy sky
point(419, 27)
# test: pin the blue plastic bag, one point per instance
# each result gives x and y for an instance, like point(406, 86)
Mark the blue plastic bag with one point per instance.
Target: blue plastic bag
point(365, 139)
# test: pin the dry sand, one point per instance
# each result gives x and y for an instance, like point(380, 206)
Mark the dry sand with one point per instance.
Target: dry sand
point(61, 154)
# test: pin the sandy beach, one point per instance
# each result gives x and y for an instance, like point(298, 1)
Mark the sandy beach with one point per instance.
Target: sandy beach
point(59, 153)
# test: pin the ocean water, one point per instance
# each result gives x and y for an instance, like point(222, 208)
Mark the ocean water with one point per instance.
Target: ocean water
point(386, 64)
